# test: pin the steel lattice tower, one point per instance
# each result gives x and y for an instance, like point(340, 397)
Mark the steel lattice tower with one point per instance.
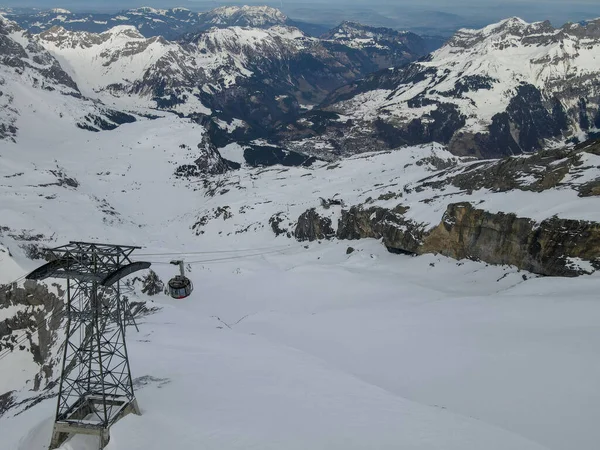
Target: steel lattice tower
point(96, 388)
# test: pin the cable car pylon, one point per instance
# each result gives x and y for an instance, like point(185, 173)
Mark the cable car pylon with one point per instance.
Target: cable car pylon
point(96, 387)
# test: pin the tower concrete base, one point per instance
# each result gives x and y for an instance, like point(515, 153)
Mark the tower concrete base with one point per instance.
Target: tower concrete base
point(76, 423)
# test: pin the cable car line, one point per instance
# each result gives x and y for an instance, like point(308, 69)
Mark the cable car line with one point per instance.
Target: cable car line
point(228, 258)
point(17, 281)
point(211, 252)
point(234, 258)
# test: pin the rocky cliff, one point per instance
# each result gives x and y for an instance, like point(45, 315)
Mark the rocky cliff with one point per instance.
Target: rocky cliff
point(33, 318)
point(553, 246)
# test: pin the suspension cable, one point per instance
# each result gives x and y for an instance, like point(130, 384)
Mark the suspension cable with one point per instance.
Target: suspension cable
point(214, 251)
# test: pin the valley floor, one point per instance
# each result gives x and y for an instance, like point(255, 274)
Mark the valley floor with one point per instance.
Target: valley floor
point(313, 348)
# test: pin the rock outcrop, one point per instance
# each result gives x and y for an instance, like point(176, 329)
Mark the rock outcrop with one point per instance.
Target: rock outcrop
point(312, 226)
point(39, 317)
point(554, 247)
point(395, 231)
point(546, 169)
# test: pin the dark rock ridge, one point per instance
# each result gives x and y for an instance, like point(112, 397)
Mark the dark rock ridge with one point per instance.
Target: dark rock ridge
point(383, 47)
point(380, 223)
point(312, 226)
point(105, 119)
point(543, 170)
point(210, 161)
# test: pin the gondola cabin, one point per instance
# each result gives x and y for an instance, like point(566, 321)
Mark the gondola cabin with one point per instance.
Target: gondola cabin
point(180, 286)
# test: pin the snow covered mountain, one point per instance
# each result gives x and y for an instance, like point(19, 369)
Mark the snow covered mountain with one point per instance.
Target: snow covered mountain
point(151, 22)
point(244, 16)
point(258, 76)
point(33, 83)
point(385, 47)
point(505, 89)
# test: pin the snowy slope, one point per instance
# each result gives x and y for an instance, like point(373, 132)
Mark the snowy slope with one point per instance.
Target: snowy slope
point(33, 83)
point(283, 346)
point(115, 58)
point(121, 62)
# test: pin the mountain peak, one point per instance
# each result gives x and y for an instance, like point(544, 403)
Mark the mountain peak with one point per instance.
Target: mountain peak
point(510, 24)
point(60, 11)
point(7, 25)
point(147, 10)
point(349, 29)
point(513, 26)
point(125, 30)
point(248, 15)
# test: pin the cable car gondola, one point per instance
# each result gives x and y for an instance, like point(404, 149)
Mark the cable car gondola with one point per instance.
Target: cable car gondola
point(180, 286)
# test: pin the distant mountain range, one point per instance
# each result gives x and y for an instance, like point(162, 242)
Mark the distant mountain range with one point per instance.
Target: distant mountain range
point(168, 23)
point(261, 74)
point(508, 88)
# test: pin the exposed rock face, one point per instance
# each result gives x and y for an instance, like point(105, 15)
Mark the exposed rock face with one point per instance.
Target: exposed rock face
point(380, 223)
point(210, 161)
point(549, 248)
point(40, 314)
point(6, 401)
point(557, 247)
point(384, 47)
point(312, 226)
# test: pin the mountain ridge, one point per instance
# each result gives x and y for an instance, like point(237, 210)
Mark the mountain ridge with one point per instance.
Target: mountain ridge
point(171, 23)
point(474, 93)
point(262, 76)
